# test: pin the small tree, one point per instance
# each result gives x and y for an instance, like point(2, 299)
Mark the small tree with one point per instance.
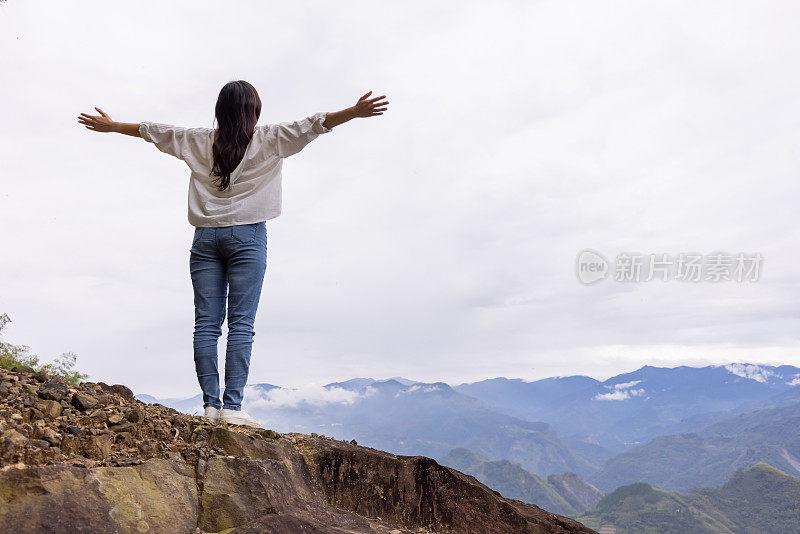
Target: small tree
point(19, 355)
point(11, 355)
point(64, 366)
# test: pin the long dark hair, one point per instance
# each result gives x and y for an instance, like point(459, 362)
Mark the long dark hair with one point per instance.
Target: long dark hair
point(237, 111)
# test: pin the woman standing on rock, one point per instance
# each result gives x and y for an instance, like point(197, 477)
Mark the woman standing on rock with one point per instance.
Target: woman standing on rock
point(234, 187)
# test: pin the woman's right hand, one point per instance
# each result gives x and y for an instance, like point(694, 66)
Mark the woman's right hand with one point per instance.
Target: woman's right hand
point(370, 107)
point(98, 123)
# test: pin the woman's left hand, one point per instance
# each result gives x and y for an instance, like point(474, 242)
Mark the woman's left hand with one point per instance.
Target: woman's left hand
point(370, 107)
point(98, 123)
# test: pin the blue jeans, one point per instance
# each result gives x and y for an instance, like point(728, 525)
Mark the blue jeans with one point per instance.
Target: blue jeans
point(222, 257)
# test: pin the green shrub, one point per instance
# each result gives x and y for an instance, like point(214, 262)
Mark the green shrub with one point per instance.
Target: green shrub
point(19, 355)
point(64, 366)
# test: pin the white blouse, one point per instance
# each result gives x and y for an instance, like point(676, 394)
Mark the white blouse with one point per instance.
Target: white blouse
point(255, 192)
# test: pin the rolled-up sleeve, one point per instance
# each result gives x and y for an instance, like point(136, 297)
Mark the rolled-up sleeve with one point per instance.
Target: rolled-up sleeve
point(291, 137)
point(170, 139)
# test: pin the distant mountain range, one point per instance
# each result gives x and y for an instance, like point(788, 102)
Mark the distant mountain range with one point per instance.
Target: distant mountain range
point(632, 408)
point(708, 457)
point(758, 500)
point(675, 428)
point(406, 417)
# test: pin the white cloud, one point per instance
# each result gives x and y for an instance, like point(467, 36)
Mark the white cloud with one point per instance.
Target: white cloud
point(312, 394)
point(621, 391)
point(750, 371)
point(417, 387)
point(620, 394)
point(794, 381)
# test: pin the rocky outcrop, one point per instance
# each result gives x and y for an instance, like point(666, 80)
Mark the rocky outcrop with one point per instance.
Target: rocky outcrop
point(93, 459)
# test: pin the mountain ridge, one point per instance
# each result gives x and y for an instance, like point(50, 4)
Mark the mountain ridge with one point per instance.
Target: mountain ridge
point(428, 419)
point(590, 421)
point(678, 462)
point(564, 494)
point(631, 408)
point(756, 499)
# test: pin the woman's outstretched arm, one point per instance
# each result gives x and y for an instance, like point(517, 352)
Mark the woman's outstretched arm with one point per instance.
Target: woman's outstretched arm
point(173, 140)
point(291, 137)
point(364, 108)
point(103, 123)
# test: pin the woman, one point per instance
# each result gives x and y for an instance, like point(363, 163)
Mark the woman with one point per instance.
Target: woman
point(234, 187)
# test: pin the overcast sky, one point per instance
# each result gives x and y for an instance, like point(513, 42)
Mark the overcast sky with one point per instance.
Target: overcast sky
point(438, 241)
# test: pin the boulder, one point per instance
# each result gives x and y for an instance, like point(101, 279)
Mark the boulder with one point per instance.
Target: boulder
point(117, 389)
point(83, 402)
point(50, 408)
point(41, 376)
point(54, 389)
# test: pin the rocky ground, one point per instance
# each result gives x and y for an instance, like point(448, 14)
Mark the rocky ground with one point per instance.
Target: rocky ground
point(93, 459)
point(44, 421)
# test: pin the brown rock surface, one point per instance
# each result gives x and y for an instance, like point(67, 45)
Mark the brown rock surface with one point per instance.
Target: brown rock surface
point(105, 462)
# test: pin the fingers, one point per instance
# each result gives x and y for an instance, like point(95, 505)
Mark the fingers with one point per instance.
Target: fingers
point(101, 112)
point(380, 107)
point(371, 107)
point(91, 122)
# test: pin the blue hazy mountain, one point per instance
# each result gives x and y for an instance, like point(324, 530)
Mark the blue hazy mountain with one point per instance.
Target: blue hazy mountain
point(632, 408)
point(710, 456)
point(555, 425)
point(565, 494)
point(407, 417)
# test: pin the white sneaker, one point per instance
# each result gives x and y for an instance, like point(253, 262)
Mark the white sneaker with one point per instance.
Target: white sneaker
point(212, 414)
point(238, 417)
